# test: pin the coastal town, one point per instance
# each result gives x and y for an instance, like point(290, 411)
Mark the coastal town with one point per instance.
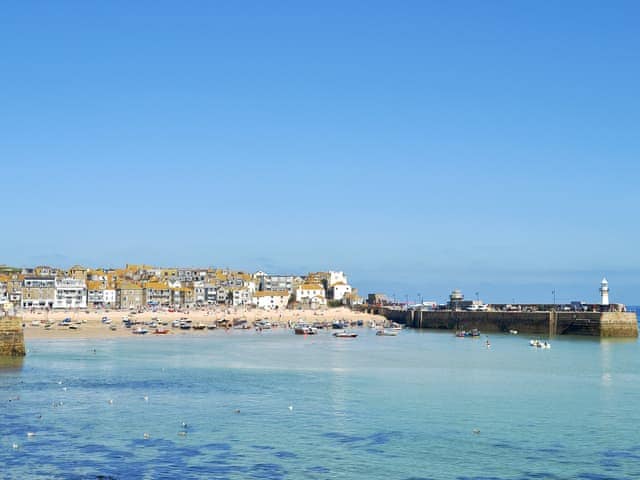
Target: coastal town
point(137, 287)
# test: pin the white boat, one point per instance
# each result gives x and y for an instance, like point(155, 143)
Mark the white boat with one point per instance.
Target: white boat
point(345, 335)
point(304, 329)
point(387, 333)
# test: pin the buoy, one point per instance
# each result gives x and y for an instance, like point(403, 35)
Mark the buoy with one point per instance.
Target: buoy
point(15, 446)
point(110, 402)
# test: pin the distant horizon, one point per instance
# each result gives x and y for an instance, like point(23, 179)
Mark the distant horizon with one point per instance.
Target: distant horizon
point(391, 292)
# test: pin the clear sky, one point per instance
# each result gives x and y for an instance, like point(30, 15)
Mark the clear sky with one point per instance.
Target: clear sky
point(419, 146)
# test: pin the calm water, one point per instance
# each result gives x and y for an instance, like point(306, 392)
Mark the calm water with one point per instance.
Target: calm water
point(406, 407)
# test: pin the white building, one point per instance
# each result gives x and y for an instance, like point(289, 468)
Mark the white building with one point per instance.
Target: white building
point(109, 297)
point(271, 300)
point(339, 290)
point(70, 293)
point(336, 278)
point(312, 294)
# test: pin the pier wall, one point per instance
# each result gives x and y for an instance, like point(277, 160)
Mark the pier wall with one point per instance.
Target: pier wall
point(11, 337)
point(605, 324)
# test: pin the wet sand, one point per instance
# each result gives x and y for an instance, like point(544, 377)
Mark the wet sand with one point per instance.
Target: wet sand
point(89, 322)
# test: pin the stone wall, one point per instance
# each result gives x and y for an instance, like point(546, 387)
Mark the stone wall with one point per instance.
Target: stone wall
point(606, 324)
point(11, 337)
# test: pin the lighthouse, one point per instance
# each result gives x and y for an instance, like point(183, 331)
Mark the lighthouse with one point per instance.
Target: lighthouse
point(604, 292)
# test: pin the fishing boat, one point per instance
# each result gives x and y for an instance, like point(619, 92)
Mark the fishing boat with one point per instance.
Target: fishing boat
point(345, 334)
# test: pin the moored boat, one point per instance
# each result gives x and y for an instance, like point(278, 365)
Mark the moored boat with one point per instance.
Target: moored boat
point(345, 335)
point(387, 333)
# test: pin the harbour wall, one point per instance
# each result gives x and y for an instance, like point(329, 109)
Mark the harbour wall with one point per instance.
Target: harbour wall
point(11, 337)
point(598, 324)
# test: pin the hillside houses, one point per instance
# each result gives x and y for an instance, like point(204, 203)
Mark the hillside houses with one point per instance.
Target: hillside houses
point(139, 286)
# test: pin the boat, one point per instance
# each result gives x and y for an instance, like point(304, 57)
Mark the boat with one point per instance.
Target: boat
point(395, 326)
point(461, 333)
point(212, 326)
point(339, 325)
point(474, 332)
point(304, 329)
point(161, 331)
point(140, 331)
point(175, 324)
point(387, 333)
point(513, 332)
point(74, 326)
point(199, 326)
point(113, 328)
point(345, 334)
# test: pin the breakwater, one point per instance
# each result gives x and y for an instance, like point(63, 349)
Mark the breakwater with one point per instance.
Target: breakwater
point(598, 324)
point(11, 337)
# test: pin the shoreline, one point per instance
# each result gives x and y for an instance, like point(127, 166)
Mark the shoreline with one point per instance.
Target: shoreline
point(90, 326)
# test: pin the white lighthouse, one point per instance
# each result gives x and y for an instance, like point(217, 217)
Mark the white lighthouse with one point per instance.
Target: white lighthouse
point(604, 292)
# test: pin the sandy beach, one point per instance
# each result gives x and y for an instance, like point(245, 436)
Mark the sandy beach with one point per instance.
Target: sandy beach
point(89, 322)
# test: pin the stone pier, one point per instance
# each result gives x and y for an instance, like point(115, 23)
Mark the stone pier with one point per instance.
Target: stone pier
point(596, 324)
point(11, 337)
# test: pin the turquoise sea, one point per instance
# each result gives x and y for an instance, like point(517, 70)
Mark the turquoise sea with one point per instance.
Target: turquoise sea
point(422, 405)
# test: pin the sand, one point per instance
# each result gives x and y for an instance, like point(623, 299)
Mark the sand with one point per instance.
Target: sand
point(90, 325)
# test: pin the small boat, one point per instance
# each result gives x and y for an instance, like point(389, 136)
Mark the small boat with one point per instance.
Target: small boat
point(304, 329)
point(339, 325)
point(461, 333)
point(539, 344)
point(387, 333)
point(475, 332)
point(35, 323)
point(212, 326)
point(161, 331)
point(140, 331)
point(199, 326)
point(345, 335)
point(175, 323)
point(106, 320)
point(113, 328)
point(513, 332)
point(74, 326)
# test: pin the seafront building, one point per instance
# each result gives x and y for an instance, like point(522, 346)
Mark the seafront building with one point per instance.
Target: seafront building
point(138, 286)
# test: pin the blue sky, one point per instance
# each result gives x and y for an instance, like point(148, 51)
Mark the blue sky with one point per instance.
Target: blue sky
point(419, 146)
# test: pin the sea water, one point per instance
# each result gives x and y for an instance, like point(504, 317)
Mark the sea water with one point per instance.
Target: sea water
point(274, 405)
